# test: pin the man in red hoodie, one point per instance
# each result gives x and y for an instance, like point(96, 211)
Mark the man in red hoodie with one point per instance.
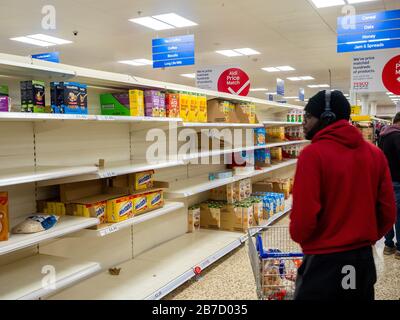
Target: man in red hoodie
point(343, 203)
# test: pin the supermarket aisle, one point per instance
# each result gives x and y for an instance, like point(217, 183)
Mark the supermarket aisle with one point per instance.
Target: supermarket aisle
point(232, 278)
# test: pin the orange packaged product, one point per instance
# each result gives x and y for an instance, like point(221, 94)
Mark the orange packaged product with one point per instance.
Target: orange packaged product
point(4, 218)
point(172, 105)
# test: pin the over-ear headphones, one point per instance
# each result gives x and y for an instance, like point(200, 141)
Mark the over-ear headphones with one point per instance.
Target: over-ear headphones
point(328, 117)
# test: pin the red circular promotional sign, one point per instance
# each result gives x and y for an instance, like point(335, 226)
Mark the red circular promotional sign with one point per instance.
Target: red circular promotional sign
point(234, 81)
point(391, 75)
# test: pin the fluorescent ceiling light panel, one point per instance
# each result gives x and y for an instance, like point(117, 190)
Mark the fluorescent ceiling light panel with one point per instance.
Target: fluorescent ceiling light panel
point(285, 68)
point(271, 93)
point(189, 75)
point(152, 23)
point(175, 20)
point(306, 78)
point(270, 69)
point(247, 51)
point(294, 78)
point(137, 62)
point(43, 37)
point(328, 3)
point(229, 53)
point(313, 86)
point(290, 97)
point(33, 41)
point(258, 89)
point(324, 85)
point(358, 1)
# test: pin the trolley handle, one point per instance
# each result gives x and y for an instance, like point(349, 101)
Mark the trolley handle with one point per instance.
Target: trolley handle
point(277, 255)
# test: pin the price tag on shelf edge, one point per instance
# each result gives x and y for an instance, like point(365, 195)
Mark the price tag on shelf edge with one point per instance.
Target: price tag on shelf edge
point(109, 230)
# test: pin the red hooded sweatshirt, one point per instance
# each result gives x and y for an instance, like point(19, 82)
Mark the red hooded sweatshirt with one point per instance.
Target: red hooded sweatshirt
point(343, 197)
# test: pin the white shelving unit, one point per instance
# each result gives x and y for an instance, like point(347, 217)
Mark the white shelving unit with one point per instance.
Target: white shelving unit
point(65, 225)
point(154, 274)
point(190, 187)
point(42, 150)
point(281, 123)
point(24, 279)
point(115, 227)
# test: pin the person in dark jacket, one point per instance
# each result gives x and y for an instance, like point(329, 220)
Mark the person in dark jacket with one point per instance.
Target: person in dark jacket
point(343, 203)
point(390, 144)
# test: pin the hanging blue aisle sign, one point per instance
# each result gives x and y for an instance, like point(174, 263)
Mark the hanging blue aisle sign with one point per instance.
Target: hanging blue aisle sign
point(301, 94)
point(280, 87)
point(50, 56)
point(372, 31)
point(173, 52)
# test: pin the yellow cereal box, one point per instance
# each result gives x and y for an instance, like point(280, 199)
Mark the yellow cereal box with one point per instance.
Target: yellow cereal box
point(94, 210)
point(184, 106)
point(120, 209)
point(136, 103)
point(143, 180)
point(155, 199)
point(202, 117)
point(140, 204)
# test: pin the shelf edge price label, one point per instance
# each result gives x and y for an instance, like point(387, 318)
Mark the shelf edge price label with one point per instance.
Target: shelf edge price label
point(109, 230)
point(107, 174)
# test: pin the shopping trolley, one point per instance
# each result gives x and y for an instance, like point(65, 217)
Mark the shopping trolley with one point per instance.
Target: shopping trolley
point(274, 259)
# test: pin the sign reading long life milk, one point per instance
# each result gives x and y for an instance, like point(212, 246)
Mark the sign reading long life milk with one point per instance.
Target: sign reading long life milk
point(377, 72)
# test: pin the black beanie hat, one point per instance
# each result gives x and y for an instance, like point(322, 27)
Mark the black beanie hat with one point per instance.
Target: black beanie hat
point(340, 106)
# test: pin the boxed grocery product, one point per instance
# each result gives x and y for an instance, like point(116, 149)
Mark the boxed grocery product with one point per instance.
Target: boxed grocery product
point(5, 101)
point(4, 217)
point(142, 180)
point(257, 210)
point(263, 186)
point(82, 100)
point(33, 96)
point(53, 207)
point(140, 204)
point(172, 105)
point(194, 218)
point(161, 107)
point(155, 199)
point(115, 104)
point(70, 92)
point(259, 136)
point(193, 108)
point(220, 175)
point(276, 154)
point(120, 209)
point(202, 115)
point(154, 103)
point(232, 218)
point(94, 207)
point(246, 113)
point(211, 214)
point(262, 157)
point(55, 97)
point(247, 213)
point(221, 111)
point(136, 103)
point(184, 106)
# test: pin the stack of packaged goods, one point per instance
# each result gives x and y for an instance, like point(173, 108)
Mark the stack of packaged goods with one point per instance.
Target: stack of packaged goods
point(154, 103)
point(260, 136)
point(33, 97)
point(249, 112)
point(294, 133)
point(276, 185)
point(295, 116)
point(194, 218)
point(114, 200)
point(291, 152)
point(67, 98)
point(262, 157)
point(275, 134)
point(5, 100)
point(193, 107)
point(273, 203)
point(276, 154)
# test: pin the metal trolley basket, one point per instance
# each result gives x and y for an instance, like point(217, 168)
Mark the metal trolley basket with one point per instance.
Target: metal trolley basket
point(274, 259)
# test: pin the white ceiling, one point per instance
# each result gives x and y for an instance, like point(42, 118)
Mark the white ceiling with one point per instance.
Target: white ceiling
point(286, 32)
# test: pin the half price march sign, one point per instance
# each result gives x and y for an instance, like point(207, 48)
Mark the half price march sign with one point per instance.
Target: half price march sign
point(234, 81)
point(391, 75)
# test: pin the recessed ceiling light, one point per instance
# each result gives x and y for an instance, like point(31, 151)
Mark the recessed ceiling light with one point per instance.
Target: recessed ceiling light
point(306, 78)
point(41, 40)
point(33, 41)
point(189, 75)
point(175, 20)
point(270, 69)
point(358, 1)
point(152, 23)
point(229, 53)
point(258, 89)
point(328, 3)
point(137, 62)
point(294, 78)
point(43, 37)
point(247, 51)
point(285, 68)
point(324, 85)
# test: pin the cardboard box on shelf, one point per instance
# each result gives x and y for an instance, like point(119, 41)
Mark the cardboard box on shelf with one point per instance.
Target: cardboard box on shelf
point(232, 218)
point(221, 111)
point(248, 217)
point(211, 215)
point(246, 113)
point(4, 217)
point(202, 102)
point(33, 97)
point(194, 219)
point(140, 204)
point(184, 106)
point(92, 207)
point(155, 199)
point(52, 206)
point(120, 209)
point(172, 105)
point(115, 104)
point(193, 108)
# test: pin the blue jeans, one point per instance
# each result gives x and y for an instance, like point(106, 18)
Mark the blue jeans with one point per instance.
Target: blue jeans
point(390, 236)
